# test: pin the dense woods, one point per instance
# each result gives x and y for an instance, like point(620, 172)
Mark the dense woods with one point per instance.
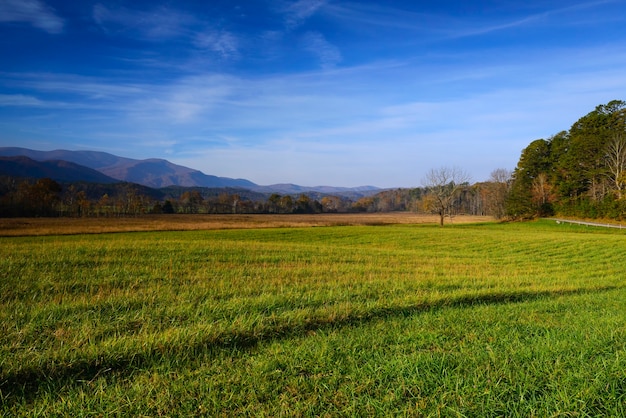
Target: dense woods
point(580, 173)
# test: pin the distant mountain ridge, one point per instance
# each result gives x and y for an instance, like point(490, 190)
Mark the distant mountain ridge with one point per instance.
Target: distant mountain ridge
point(154, 173)
point(288, 188)
point(59, 170)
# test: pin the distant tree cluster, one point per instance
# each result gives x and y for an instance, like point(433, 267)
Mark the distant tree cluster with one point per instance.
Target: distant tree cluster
point(46, 197)
point(580, 172)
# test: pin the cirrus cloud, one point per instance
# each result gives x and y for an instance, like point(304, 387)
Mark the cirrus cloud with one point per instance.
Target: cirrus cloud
point(225, 44)
point(327, 53)
point(31, 11)
point(158, 24)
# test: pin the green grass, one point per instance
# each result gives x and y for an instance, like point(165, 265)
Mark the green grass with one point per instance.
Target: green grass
point(467, 320)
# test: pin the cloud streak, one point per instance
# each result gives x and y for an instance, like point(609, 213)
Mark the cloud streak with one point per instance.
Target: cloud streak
point(33, 12)
point(157, 24)
point(296, 13)
point(20, 100)
point(225, 44)
point(436, 26)
point(327, 53)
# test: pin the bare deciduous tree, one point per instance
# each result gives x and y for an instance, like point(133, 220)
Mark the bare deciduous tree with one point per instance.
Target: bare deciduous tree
point(443, 185)
point(543, 194)
point(616, 162)
point(497, 192)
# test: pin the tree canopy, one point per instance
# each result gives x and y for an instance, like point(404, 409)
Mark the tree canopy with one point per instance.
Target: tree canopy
point(579, 172)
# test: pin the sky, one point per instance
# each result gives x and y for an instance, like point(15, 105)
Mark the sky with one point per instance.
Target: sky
point(311, 92)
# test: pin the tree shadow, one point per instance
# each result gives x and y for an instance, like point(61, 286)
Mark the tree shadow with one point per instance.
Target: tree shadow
point(26, 384)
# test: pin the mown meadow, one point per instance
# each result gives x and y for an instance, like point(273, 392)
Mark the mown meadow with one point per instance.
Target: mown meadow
point(488, 319)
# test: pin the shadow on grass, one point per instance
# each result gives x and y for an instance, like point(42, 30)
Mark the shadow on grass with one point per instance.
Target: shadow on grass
point(26, 384)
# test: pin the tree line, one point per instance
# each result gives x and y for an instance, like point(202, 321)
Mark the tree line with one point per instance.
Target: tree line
point(580, 172)
point(46, 197)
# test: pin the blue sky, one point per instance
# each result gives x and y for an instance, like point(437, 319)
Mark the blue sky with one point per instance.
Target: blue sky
point(312, 92)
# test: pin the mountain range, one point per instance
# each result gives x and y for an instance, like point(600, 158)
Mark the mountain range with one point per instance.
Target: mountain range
point(102, 167)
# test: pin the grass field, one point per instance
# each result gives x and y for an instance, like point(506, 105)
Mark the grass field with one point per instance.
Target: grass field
point(478, 319)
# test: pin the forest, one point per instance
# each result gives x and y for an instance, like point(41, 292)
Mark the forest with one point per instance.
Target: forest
point(580, 172)
point(46, 197)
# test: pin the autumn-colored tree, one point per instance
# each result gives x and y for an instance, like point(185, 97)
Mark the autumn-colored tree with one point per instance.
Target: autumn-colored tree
point(84, 205)
point(302, 204)
point(39, 199)
point(331, 204)
point(104, 205)
point(364, 204)
point(286, 204)
point(223, 203)
point(191, 201)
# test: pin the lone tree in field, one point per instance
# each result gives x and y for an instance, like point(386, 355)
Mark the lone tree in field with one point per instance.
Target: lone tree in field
point(443, 185)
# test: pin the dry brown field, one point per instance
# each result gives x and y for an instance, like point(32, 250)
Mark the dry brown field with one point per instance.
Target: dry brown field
point(64, 226)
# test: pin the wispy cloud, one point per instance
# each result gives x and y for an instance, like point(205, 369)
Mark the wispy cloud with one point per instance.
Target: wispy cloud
point(431, 25)
point(447, 26)
point(571, 15)
point(76, 86)
point(327, 53)
point(376, 15)
point(193, 99)
point(19, 100)
point(33, 12)
point(225, 44)
point(162, 24)
point(157, 24)
point(296, 13)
